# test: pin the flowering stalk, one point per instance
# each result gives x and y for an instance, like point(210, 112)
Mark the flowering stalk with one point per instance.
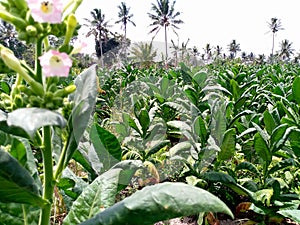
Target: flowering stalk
point(48, 183)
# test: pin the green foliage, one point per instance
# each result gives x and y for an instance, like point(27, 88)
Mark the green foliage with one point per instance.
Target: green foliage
point(160, 202)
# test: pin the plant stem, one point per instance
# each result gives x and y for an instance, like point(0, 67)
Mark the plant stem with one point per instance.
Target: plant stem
point(48, 184)
point(38, 53)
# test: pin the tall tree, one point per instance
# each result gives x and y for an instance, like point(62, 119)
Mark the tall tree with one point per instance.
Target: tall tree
point(100, 29)
point(275, 26)
point(233, 48)
point(164, 16)
point(208, 51)
point(124, 19)
point(286, 49)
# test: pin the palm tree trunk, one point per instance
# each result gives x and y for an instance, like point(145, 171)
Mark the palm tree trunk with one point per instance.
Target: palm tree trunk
point(166, 44)
point(273, 39)
point(124, 42)
point(101, 52)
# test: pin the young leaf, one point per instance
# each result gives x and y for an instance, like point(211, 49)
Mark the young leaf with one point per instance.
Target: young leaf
point(200, 129)
point(144, 121)
point(247, 166)
point(292, 214)
point(296, 89)
point(157, 147)
point(235, 89)
point(228, 145)
point(262, 148)
point(101, 193)
point(160, 202)
point(17, 185)
point(42, 117)
point(106, 145)
point(269, 122)
point(84, 101)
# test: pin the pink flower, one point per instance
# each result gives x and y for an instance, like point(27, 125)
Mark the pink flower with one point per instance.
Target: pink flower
point(79, 46)
point(55, 63)
point(44, 11)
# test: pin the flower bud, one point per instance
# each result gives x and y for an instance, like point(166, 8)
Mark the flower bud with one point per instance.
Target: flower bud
point(65, 91)
point(18, 22)
point(9, 59)
point(13, 63)
point(71, 26)
point(31, 31)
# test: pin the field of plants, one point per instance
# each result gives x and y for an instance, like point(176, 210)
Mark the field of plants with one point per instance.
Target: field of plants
point(92, 141)
point(230, 129)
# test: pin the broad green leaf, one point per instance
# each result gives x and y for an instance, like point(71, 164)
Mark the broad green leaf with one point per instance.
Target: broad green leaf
point(292, 214)
point(235, 89)
point(86, 156)
point(264, 196)
point(23, 118)
point(101, 193)
point(262, 148)
point(218, 126)
point(228, 145)
point(239, 115)
point(181, 148)
point(160, 202)
point(191, 94)
point(200, 129)
point(294, 139)
point(144, 121)
point(5, 87)
point(17, 131)
point(157, 147)
point(22, 151)
point(164, 85)
point(280, 136)
point(128, 120)
point(282, 165)
point(219, 177)
point(296, 89)
point(18, 214)
point(200, 77)
point(84, 101)
point(216, 88)
point(17, 185)
point(178, 125)
point(176, 106)
point(106, 145)
point(247, 166)
point(269, 122)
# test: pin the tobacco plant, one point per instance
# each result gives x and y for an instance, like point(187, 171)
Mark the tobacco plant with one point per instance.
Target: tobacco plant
point(46, 125)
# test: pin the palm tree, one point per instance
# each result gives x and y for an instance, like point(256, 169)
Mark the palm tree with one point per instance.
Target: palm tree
point(207, 50)
point(124, 19)
point(98, 28)
point(164, 16)
point(218, 51)
point(275, 26)
point(234, 47)
point(143, 53)
point(286, 49)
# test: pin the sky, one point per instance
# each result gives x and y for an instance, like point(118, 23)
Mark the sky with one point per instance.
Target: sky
point(216, 22)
